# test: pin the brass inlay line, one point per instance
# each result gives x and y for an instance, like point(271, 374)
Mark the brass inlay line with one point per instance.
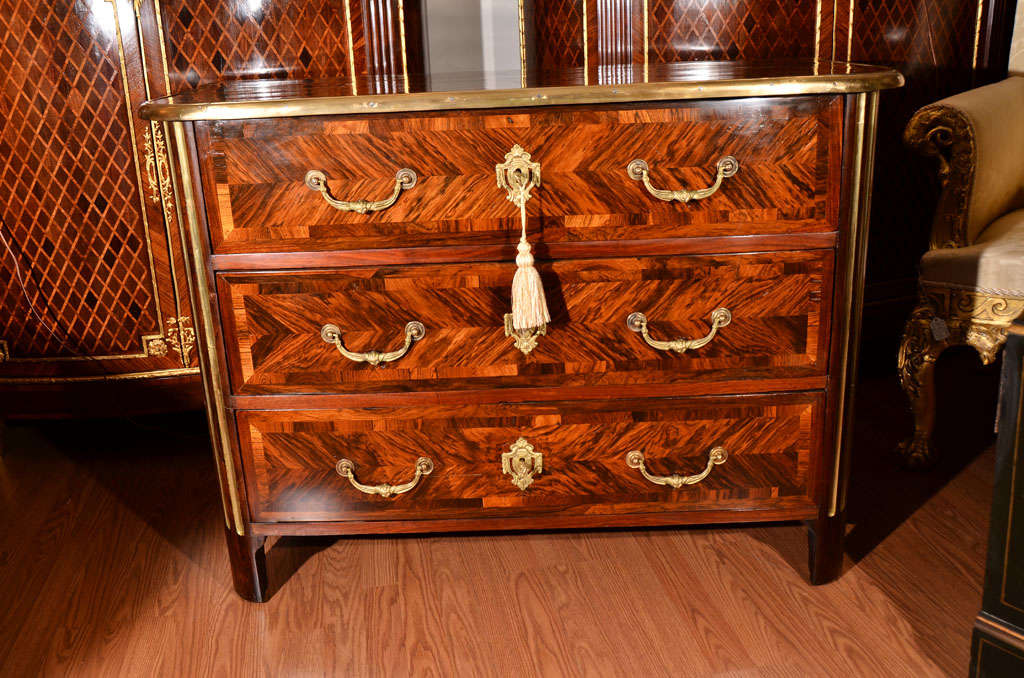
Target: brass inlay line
point(977, 33)
point(225, 500)
point(351, 49)
point(860, 209)
point(998, 627)
point(401, 38)
point(171, 210)
point(215, 400)
point(854, 224)
point(123, 376)
point(159, 159)
point(522, 44)
point(647, 47)
point(849, 32)
point(982, 642)
point(586, 48)
point(817, 34)
point(163, 47)
point(135, 159)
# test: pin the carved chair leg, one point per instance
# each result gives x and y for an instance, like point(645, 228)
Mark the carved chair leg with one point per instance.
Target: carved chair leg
point(248, 565)
point(918, 352)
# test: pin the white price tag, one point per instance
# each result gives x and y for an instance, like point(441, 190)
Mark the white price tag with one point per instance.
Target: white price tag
point(940, 331)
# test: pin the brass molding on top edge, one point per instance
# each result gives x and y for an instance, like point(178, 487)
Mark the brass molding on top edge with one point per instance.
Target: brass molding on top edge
point(167, 109)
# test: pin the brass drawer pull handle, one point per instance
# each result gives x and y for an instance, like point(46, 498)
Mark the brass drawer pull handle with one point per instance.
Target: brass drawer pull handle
point(347, 469)
point(639, 171)
point(317, 180)
point(414, 331)
point(635, 459)
point(637, 322)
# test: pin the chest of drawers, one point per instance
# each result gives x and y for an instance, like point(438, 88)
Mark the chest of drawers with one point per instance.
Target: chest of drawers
point(352, 258)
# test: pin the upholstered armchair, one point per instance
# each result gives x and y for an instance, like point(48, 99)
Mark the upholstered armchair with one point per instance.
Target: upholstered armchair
point(972, 277)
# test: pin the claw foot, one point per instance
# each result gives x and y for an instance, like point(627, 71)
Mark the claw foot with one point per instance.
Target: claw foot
point(915, 453)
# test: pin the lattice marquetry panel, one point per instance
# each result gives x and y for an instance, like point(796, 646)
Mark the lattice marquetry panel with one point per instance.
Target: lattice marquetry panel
point(212, 40)
point(690, 30)
point(934, 32)
point(68, 193)
point(559, 30)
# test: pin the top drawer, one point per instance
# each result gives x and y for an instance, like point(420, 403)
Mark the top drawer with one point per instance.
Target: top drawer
point(788, 152)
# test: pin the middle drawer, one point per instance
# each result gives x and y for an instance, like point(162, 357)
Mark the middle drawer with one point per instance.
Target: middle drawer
point(778, 310)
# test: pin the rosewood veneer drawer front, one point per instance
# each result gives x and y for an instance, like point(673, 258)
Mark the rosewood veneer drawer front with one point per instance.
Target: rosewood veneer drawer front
point(563, 456)
point(258, 199)
point(775, 324)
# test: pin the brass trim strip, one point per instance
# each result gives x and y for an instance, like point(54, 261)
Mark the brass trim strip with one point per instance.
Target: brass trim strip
point(848, 287)
point(985, 623)
point(215, 403)
point(860, 213)
point(977, 33)
point(647, 45)
point(124, 376)
point(135, 160)
point(401, 38)
point(849, 32)
point(522, 43)
point(224, 498)
point(165, 109)
point(351, 49)
point(817, 34)
point(162, 168)
point(163, 46)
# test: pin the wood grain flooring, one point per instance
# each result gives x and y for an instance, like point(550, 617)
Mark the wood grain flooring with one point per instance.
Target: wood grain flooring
point(112, 563)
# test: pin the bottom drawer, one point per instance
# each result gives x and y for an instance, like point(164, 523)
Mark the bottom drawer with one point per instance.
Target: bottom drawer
point(503, 460)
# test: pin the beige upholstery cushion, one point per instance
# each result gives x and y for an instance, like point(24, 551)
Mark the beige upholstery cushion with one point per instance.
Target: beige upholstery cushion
point(993, 265)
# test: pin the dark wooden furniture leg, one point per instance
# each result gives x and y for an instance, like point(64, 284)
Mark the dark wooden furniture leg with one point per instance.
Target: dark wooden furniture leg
point(248, 565)
point(825, 547)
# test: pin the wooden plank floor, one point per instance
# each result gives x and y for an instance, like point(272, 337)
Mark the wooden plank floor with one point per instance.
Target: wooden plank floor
point(112, 564)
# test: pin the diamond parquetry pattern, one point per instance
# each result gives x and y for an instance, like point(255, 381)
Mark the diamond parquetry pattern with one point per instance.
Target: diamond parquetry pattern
point(68, 197)
point(213, 40)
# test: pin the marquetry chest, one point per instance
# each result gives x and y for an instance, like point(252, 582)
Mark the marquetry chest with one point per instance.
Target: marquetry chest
point(573, 305)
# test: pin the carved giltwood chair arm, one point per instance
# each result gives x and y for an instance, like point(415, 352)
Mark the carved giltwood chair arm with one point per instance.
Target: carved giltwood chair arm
point(977, 137)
